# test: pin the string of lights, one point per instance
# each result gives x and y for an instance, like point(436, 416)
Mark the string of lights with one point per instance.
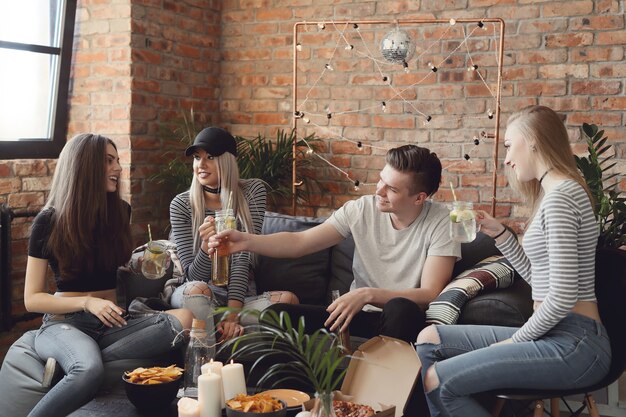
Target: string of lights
point(307, 110)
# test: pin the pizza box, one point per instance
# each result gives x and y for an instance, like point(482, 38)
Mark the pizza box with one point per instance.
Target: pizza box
point(382, 374)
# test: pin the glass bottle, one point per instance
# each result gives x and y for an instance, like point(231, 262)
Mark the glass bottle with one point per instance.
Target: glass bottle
point(220, 263)
point(343, 335)
point(198, 352)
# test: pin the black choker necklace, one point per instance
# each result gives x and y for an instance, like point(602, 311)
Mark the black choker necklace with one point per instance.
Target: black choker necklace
point(544, 175)
point(211, 190)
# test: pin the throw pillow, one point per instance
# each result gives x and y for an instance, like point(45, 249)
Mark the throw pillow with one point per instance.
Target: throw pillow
point(489, 274)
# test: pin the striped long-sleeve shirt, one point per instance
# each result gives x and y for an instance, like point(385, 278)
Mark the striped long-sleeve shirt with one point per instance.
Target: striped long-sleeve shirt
point(197, 265)
point(557, 258)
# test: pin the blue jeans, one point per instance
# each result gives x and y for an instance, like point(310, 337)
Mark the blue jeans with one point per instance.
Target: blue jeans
point(80, 343)
point(575, 353)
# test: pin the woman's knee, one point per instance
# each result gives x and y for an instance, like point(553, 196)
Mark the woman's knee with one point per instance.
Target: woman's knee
point(184, 316)
point(197, 288)
point(431, 380)
point(429, 335)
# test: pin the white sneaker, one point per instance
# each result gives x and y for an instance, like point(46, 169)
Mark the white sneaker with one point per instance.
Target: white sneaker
point(49, 372)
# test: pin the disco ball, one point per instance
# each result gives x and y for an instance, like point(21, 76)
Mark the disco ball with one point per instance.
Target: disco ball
point(397, 46)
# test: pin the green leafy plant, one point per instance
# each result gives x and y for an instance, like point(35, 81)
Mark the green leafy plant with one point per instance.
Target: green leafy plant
point(271, 161)
point(178, 135)
point(610, 206)
point(312, 359)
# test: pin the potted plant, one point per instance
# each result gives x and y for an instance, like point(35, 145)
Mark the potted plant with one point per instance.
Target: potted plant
point(609, 205)
point(313, 359)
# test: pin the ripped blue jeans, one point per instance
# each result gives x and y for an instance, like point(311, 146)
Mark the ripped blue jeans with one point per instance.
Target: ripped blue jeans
point(575, 353)
point(80, 343)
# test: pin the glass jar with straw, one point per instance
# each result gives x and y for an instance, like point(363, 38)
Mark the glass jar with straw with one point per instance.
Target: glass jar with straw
point(155, 260)
point(462, 220)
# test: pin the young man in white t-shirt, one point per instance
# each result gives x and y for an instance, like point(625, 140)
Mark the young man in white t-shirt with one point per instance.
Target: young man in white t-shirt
point(403, 254)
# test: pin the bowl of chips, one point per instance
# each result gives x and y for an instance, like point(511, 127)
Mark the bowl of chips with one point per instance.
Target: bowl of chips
point(151, 389)
point(258, 405)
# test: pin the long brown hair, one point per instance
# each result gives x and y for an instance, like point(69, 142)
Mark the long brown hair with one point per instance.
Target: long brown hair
point(91, 228)
point(542, 127)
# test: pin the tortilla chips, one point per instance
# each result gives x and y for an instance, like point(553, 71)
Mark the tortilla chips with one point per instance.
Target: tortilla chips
point(258, 403)
point(154, 375)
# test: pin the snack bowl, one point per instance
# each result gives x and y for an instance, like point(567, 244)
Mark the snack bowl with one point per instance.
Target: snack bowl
point(231, 412)
point(151, 397)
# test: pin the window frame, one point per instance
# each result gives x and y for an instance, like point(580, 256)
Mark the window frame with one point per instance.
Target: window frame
point(48, 147)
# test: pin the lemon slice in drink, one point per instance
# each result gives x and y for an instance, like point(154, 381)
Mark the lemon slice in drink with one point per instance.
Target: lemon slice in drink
point(230, 223)
point(461, 215)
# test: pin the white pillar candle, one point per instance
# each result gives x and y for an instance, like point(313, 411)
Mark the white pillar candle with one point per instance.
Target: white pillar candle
point(233, 379)
point(188, 407)
point(209, 395)
point(216, 368)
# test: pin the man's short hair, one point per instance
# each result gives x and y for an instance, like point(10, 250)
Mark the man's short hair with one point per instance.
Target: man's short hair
point(421, 163)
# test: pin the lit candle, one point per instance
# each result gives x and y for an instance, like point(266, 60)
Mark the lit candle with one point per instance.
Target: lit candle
point(209, 395)
point(216, 368)
point(233, 379)
point(188, 407)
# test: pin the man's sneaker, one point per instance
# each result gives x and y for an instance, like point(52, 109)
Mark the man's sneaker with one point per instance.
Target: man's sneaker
point(51, 373)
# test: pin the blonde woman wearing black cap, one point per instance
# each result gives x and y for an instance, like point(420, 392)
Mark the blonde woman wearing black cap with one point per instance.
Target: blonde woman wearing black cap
point(215, 177)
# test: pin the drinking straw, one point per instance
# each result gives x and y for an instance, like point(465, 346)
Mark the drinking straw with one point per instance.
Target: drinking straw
point(230, 200)
point(149, 234)
point(452, 189)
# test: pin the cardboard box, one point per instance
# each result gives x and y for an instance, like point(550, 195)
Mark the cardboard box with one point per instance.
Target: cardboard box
point(382, 374)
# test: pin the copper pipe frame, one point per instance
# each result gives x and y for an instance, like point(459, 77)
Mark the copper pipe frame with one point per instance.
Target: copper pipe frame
point(496, 134)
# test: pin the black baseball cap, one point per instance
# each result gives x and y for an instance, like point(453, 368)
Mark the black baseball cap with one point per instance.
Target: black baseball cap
point(215, 141)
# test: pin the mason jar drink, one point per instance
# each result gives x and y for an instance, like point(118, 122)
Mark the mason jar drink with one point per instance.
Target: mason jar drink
point(155, 260)
point(462, 222)
point(220, 268)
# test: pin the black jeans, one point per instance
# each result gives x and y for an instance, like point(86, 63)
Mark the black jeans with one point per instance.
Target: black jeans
point(401, 318)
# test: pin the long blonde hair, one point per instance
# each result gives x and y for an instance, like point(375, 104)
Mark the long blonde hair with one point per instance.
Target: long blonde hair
point(229, 181)
point(542, 127)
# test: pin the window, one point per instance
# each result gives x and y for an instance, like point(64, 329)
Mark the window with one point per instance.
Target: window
point(35, 55)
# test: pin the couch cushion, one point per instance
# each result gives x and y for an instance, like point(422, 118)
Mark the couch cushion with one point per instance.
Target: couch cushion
point(508, 307)
point(307, 276)
point(475, 251)
point(341, 275)
point(489, 274)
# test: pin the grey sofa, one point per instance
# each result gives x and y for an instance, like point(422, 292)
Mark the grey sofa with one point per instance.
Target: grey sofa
point(310, 277)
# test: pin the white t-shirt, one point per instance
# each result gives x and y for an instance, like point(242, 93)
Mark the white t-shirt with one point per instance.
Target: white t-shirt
point(388, 258)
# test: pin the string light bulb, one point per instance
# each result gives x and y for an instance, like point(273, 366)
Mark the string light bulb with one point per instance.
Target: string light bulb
point(476, 141)
point(385, 78)
point(349, 47)
point(467, 157)
point(472, 67)
point(309, 151)
point(480, 25)
point(329, 67)
point(321, 26)
point(359, 145)
point(432, 67)
point(452, 22)
point(384, 107)
point(355, 26)
point(356, 185)
point(299, 46)
point(406, 66)
point(490, 114)
point(306, 120)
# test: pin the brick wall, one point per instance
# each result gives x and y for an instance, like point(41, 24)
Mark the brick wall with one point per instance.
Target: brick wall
point(137, 63)
point(563, 54)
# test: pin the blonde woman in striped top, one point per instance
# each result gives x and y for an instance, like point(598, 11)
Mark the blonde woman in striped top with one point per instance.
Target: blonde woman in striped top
point(563, 344)
point(215, 180)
